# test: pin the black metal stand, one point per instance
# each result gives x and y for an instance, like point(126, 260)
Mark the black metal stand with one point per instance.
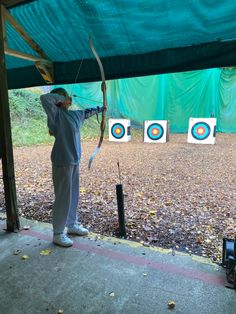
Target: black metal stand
point(229, 261)
point(121, 212)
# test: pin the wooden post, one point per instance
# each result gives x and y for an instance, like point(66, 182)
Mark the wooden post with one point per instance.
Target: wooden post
point(6, 141)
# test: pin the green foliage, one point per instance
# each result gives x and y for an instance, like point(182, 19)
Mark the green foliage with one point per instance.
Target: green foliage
point(24, 105)
point(29, 122)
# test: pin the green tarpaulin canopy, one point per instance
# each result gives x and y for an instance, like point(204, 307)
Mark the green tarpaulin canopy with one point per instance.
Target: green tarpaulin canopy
point(133, 38)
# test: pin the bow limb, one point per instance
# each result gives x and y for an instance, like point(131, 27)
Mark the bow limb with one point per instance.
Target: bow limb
point(103, 122)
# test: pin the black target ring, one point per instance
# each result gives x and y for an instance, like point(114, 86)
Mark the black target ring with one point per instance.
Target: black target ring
point(118, 130)
point(155, 131)
point(200, 131)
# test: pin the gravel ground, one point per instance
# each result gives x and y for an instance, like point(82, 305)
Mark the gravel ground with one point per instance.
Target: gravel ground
point(177, 195)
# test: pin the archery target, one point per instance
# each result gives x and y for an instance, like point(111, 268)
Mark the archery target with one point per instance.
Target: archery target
point(156, 131)
point(119, 130)
point(202, 131)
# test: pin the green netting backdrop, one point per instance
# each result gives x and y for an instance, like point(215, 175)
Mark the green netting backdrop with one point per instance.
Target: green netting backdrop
point(175, 97)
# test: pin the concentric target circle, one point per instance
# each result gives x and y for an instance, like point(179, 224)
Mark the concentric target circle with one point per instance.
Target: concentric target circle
point(201, 130)
point(155, 131)
point(118, 130)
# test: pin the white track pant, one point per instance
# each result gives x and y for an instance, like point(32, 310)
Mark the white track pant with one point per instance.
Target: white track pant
point(66, 189)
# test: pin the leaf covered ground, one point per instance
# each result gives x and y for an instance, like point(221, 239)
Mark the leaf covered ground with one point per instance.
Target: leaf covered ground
point(177, 195)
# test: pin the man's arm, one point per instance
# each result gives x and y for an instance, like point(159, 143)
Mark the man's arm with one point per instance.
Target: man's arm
point(49, 103)
point(92, 111)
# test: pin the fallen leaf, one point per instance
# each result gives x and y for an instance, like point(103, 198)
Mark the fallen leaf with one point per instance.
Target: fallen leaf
point(45, 252)
point(171, 304)
point(152, 212)
point(24, 257)
point(82, 190)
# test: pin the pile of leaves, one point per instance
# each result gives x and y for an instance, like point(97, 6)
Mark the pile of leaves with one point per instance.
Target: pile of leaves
point(177, 195)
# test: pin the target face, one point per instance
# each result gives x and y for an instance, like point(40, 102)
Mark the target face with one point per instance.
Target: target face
point(155, 131)
point(200, 131)
point(118, 130)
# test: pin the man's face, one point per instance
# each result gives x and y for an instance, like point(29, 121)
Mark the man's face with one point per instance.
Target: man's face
point(67, 102)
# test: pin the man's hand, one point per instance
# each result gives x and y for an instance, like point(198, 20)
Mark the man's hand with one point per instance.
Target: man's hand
point(103, 87)
point(100, 109)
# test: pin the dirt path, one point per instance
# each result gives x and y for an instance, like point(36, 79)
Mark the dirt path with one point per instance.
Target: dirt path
point(178, 195)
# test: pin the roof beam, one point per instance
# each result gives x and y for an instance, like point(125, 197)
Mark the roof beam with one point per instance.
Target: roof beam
point(46, 70)
point(23, 34)
point(22, 55)
point(42, 62)
point(3, 28)
point(13, 3)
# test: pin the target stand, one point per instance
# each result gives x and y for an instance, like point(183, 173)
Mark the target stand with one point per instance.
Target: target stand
point(202, 131)
point(156, 131)
point(119, 130)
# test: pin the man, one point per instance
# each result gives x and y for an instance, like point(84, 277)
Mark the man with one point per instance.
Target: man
point(65, 125)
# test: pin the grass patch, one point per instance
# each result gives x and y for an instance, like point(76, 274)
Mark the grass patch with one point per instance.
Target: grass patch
point(30, 132)
point(29, 121)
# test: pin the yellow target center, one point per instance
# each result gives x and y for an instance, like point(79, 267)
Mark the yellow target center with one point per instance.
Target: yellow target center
point(200, 131)
point(155, 132)
point(118, 131)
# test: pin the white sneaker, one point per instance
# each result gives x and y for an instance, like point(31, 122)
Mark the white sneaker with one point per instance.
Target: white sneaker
point(78, 230)
point(62, 240)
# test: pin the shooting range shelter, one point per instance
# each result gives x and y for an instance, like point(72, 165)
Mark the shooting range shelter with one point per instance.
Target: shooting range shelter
point(45, 42)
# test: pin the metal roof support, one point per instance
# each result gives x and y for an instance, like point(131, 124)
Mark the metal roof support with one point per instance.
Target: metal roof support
point(6, 141)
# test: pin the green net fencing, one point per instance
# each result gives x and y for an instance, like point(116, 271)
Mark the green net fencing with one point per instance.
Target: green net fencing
point(175, 97)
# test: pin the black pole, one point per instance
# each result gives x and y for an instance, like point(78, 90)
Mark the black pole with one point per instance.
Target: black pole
point(121, 211)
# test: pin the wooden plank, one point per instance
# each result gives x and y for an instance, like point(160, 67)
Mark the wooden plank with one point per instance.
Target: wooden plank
point(6, 143)
point(46, 70)
point(12, 3)
point(23, 33)
point(42, 63)
point(3, 29)
point(22, 55)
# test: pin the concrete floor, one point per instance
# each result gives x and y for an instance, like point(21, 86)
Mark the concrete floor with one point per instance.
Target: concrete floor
point(104, 275)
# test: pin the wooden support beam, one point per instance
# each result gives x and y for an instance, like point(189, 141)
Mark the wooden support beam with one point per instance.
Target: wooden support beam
point(8, 17)
point(22, 55)
point(6, 143)
point(3, 30)
point(12, 3)
point(42, 63)
point(46, 70)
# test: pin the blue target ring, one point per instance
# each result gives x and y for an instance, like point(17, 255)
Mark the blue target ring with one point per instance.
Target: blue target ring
point(155, 131)
point(200, 130)
point(118, 130)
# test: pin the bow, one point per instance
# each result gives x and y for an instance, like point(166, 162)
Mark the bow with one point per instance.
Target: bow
point(103, 122)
